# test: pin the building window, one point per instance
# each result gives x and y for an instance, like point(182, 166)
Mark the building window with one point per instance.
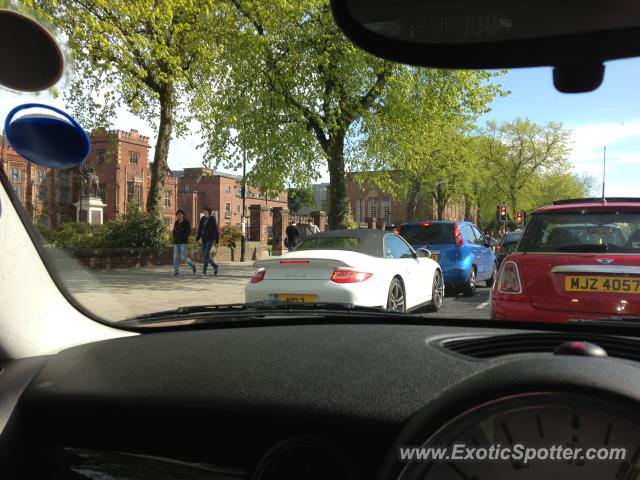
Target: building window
point(360, 211)
point(373, 207)
point(137, 189)
point(227, 189)
point(133, 158)
point(386, 210)
point(186, 189)
point(101, 156)
point(251, 194)
point(102, 192)
point(16, 182)
point(42, 193)
point(238, 208)
point(134, 193)
point(64, 194)
point(167, 222)
point(63, 188)
point(42, 178)
point(227, 210)
point(167, 199)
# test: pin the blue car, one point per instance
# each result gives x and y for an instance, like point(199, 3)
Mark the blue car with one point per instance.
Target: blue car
point(465, 256)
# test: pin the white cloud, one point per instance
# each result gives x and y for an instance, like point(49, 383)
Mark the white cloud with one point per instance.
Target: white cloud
point(621, 139)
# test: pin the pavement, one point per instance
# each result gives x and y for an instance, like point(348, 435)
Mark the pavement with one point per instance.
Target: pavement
point(122, 293)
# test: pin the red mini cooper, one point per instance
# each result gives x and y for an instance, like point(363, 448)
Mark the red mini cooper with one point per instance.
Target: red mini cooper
point(577, 259)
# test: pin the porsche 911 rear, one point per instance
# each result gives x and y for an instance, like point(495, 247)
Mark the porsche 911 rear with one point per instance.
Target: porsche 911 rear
point(318, 276)
point(575, 261)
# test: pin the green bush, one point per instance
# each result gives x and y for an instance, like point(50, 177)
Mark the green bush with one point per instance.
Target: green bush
point(136, 230)
point(230, 234)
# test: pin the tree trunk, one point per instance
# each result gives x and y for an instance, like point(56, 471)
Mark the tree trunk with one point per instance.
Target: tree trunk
point(467, 209)
point(441, 201)
point(338, 204)
point(412, 200)
point(160, 167)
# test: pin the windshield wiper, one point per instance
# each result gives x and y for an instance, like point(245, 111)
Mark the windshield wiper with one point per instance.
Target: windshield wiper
point(608, 322)
point(236, 310)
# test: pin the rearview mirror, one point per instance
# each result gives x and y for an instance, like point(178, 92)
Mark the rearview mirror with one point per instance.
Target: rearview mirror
point(573, 36)
point(423, 253)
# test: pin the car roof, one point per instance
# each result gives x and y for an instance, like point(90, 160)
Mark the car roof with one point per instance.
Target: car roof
point(371, 240)
point(444, 222)
point(590, 204)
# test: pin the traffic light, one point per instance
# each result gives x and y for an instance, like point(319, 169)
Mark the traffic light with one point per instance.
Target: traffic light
point(519, 218)
point(502, 213)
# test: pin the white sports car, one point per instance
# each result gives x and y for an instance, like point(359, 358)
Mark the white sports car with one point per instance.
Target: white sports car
point(369, 268)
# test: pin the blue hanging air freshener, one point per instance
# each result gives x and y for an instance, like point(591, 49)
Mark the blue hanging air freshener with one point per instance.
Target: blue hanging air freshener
point(47, 140)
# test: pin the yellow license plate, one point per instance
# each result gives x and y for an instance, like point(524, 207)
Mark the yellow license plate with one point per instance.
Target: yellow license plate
point(287, 297)
point(435, 257)
point(581, 283)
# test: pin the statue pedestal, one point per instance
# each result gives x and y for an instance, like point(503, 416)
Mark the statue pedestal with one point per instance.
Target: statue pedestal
point(90, 210)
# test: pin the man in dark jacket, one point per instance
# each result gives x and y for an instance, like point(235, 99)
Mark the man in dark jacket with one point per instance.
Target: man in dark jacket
point(292, 236)
point(181, 232)
point(208, 232)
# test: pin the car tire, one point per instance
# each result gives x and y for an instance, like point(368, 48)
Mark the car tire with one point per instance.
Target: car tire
point(437, 292)
point(396, 299)
point(489, 283)
point(469, 288)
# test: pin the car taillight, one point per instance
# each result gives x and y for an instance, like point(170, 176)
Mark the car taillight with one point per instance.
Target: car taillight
point(510, 279)
point(258, 276)
point(349, 276)
point(458, 235)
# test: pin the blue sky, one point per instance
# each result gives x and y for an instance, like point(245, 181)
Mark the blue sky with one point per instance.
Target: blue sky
point(609, 116)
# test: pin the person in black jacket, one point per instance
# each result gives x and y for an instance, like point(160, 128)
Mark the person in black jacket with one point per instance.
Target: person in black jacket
point(208, 232)
point(292, 236)
point(181, 232)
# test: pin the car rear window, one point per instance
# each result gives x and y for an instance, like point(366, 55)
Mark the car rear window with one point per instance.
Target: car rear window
point(330, 243)
point(511, 238)
point(435, 233)
point(583, 232)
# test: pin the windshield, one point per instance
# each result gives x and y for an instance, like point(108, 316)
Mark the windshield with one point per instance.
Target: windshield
point(330, 243)
point(584, 232)
point(424, 234)
point(225, 138)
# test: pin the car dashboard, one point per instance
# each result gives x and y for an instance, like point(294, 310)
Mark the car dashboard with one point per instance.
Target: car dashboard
point(303, 401)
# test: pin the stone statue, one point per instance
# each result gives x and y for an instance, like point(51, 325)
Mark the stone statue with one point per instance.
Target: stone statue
point(89, 182)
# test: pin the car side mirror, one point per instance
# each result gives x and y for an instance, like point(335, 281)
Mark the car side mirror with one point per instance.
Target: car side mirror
point(423, 253)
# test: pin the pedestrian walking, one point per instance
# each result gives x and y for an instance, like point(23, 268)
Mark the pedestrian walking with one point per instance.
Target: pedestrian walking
point(208, 232)
point(181, 232)
point(308, 229)
point(292, 237)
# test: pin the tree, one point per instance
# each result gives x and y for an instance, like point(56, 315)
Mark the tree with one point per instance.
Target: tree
point(141, 55)
point(292, 92)
point(420, 137)
point(299, 198)
point(517, 152)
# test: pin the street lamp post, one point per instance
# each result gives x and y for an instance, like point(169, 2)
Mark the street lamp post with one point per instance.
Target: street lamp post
point(243, 191)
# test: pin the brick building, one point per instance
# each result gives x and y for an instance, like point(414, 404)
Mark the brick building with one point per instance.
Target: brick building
point(369, 201)
point(200, 187)
point(46, 194)
point(121, 160)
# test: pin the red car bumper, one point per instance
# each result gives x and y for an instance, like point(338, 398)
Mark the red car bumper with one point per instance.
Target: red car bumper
point(515, 310)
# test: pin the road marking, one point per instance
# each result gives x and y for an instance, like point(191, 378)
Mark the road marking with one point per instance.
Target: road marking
point(482, 305)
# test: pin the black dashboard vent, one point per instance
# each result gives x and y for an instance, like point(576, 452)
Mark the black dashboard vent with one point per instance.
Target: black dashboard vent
point(522, 343)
